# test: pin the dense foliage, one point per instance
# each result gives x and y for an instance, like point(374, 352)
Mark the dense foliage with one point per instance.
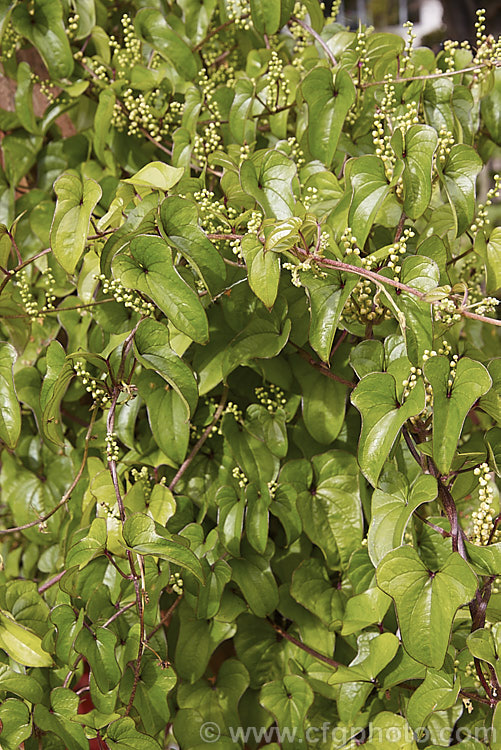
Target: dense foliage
point(250, 382)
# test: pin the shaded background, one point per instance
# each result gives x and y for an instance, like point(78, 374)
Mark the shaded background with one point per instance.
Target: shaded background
point(435, 20)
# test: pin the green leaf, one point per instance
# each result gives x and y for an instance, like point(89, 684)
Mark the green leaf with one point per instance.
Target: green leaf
point(490, 108)
point(151, 345)
point(15, 721)
point(150, 24)
point(263, 270)
point(45, 30)
point(123, 735)
point(426, 601)
point(288, 700)
point(422, 274)
point(55, 383)
point(458, 177)
point(256, 517)
point(330, 509)
point(241, 126)
point(148, 267)
point(24, 98)
point(382, 418)
point(391, 514)
point(263, 337)
point(312, 589)
point(485, 644)
point(492, 260)
point(367, 608)
point(493, 440)
point(230, 519)
point(329, 100)
point(168, 422)
point(390, 732)
point(64, 704)
point(21, 643)
point(438, 691)
point(374, 653)
point(269, 183)
point(91, 546)
point(10, 411)
point(99, 650)
point(328, 296)
point(146, 537)
point(370, 187)
point(324, 402)
point(156, 175)
point(453, 398)
point(23, 685)
point(252, 574)
point(180, 225)
point(416, 148)
point(76, 200)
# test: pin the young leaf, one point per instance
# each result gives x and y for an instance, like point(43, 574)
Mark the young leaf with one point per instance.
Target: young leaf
point(156, 175)
point(453, 397)
point(426, 601)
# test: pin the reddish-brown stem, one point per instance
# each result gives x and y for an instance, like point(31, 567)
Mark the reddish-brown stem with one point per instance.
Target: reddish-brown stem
point(304, 647)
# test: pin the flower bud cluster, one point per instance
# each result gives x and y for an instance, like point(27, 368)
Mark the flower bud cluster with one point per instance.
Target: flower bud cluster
point(29, 302)
point(239, 11)
point(176, 583)
point(272, 488)
point(411, 38)
point(481, 217)
point(129, 54)
point(278, 88)
point(254, 223)
point(112, 448)
point(100, 396)
point(399, 249)
point(10, 40)
point(445, 143)
point(272, 397)
point(410, 382)
point(297, 153)
point(381, 140)
point(361, 52)
point(128, 297)
point(50, 297)
point(335, 8)
point(296, 268)
point(208, 142)
point(72, 25)
point(483, 517)
point(239, 475)
point(450, 47)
